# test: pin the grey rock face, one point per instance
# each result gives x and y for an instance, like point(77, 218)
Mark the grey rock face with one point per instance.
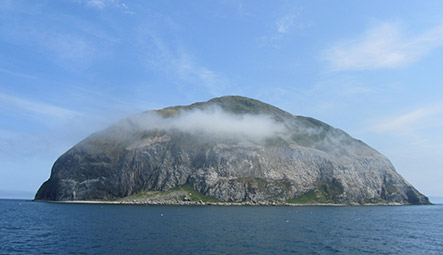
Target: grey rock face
point(233, 149)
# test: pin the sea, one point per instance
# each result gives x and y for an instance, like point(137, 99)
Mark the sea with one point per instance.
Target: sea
point(28, 227)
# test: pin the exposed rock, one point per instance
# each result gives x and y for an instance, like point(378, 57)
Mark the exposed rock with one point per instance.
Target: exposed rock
point(232, 149)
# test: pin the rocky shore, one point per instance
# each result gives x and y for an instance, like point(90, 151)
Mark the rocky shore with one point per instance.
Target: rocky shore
point(201, 203)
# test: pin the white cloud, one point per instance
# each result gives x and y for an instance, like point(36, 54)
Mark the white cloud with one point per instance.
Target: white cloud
point(403, 122)
point(418, 119)
point(18, 74)
point(413, 141)
point(385, 46)
point(70, 47)
point(188, 70)
point(179, 63)
point(103, 4)
point(285, 23)
point(76, 49)
point(282, 27)
point(100, 4)
point(36, 107)
point(215, 122)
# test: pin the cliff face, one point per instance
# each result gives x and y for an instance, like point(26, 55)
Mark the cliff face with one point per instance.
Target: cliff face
point(232, 149)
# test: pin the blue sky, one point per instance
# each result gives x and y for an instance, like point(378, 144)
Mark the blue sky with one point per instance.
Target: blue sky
point(70, 68)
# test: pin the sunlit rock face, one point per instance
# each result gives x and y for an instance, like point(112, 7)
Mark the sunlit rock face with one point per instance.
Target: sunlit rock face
point(233, 149)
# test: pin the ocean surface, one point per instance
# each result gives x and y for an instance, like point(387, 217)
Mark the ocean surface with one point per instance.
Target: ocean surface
point(48, 228)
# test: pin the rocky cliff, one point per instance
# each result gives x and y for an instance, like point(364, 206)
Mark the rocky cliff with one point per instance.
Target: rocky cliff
point(228, 149)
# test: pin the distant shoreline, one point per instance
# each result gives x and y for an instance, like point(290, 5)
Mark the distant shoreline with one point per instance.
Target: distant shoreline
point(193, 203)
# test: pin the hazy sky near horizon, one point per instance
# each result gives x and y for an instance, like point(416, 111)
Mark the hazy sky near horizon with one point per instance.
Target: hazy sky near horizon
point(69, 68)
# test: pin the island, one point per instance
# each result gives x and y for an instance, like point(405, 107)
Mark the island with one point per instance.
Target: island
point(229, 150)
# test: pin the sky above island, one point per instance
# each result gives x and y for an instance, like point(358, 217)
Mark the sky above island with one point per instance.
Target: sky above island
point(69, 68)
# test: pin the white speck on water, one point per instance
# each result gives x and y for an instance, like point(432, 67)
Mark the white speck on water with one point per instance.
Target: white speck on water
point(161, 214)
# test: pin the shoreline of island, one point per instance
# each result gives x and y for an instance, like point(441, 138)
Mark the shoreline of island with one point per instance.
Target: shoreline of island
point(201, 203)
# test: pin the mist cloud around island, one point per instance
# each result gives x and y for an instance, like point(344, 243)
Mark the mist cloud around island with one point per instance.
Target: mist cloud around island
point(212, 121)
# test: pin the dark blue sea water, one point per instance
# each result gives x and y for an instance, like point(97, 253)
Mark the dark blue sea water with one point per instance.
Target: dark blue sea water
point(45, 228)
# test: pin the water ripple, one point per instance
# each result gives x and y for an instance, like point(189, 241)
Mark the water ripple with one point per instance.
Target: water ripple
point(46, 228)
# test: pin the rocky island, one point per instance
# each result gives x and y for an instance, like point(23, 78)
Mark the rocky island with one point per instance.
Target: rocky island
point(228, 150)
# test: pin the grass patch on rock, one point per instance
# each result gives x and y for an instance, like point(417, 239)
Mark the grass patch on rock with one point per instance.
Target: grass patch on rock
point(194, 195)
point(183, 193)
point(305, 198)
point(324, 192)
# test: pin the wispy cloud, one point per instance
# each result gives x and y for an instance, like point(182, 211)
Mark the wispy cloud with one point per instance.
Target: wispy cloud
point(282, 26)
point(100, 4)
point(180, 64)
point(285, 23)
point(414, 143)
point(18, 74)
point(74, 49)
point(188, 70)
point(103, 4)
point(407, 123)
point(36, 107)
point(384, 46)
point(70, 47)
